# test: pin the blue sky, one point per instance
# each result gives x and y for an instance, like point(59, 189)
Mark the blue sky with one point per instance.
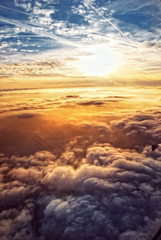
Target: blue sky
point(69, 31)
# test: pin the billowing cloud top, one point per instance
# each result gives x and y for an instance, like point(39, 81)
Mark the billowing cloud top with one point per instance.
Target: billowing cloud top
point(87, 180)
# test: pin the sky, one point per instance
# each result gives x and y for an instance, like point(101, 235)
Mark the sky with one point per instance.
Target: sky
point(57, 43)
point(80, 108)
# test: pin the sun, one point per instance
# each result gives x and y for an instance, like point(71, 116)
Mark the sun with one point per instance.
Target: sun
point(101, 62)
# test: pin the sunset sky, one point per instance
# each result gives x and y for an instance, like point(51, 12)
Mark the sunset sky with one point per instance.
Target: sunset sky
point(80, 108)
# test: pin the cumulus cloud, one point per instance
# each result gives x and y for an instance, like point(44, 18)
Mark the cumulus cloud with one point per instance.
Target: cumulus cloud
point(140, 130)
point(89, 189)
point(114, 194)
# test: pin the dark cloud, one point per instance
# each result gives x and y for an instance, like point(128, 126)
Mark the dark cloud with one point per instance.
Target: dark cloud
point(27, 115)
point(150, 44)
point(25, 107)
point(90, 103)
point(118, 97)
point(72, 96)
point(93, 101)
point(15, 89)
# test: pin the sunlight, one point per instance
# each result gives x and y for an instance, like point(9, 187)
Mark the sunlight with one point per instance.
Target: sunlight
point(101, 62)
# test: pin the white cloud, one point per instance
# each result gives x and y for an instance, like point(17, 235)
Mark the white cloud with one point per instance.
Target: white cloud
point(26, 5)
point(87, 3)
point(45, 12)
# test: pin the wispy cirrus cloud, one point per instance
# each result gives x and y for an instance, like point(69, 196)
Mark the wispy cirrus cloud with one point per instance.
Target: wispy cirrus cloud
point(39, 27)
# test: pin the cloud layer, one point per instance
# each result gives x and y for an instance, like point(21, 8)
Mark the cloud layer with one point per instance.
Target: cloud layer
point(95, 187)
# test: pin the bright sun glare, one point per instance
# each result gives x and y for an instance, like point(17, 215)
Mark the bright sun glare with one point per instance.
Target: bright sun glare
point(100, 62)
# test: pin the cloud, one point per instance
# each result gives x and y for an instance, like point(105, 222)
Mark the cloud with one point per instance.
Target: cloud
point(150, 44)
point(88, 189)
point(109, 198)
point(88, 2)
point(89, 103)
point(138, 130)
point(15, 89)
point(27, 136)
point(72, 96)
point(67, 101)
point(36, 68)
point(92, 204)
point(26, 115)
point(118, 97)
